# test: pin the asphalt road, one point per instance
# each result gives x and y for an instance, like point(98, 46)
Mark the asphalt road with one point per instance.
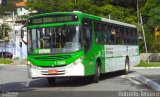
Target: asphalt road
point(15, 78)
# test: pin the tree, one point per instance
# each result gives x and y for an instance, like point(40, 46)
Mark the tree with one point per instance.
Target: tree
point(11, 5)
point(43, 6)
point(4, 30)
point(150, 13)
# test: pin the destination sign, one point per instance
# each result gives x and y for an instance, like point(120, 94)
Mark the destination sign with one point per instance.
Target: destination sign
point(53, 19)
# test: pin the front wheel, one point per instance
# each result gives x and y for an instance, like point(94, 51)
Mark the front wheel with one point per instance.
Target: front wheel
point(95, 78)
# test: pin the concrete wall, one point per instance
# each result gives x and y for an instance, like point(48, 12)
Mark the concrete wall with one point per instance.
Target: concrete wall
point(153, 57)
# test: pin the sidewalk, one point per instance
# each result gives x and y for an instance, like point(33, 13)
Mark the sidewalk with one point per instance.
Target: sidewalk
point(133, 68)
point(154, 84)
point(149, 76)
point(17, 62)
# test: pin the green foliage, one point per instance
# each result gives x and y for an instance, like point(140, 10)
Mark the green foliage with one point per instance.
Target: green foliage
point(151, 64)
point(9, 7)
point(97, 7)
point(5, 61)
point(150, 12)
point(6, 28)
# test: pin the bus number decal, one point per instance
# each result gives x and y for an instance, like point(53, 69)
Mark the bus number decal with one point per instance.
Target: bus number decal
point(43, 51)
point(109, 50)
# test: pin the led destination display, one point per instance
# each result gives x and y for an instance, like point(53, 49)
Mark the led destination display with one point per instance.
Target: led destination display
point(53, 19)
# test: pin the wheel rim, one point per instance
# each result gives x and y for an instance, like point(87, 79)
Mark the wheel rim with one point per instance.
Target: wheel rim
point(127, 67)
point(98, 71)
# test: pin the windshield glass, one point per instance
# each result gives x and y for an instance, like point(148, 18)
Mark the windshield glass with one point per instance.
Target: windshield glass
point(54, 40)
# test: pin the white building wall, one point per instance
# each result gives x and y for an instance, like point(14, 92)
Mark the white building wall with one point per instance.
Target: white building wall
point(9, 45)
point(22, 11)
point(18, 39)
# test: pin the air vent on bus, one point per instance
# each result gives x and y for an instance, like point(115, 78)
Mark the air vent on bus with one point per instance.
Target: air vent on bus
point(52, 58)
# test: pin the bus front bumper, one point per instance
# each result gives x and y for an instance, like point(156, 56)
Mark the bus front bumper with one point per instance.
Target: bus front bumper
point(70, 70)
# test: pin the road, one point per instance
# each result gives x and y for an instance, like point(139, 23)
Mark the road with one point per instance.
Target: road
point(15, 78)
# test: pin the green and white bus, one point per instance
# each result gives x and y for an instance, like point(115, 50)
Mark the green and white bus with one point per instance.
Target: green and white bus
point(75, 44)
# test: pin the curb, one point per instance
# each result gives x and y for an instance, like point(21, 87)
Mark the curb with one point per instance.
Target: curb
point(148, 82)
point(1, 64)
point(11, 65)
point(145, 68)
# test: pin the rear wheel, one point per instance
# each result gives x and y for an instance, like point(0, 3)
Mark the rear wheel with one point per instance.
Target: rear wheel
point(51, 80)
point(127, 67)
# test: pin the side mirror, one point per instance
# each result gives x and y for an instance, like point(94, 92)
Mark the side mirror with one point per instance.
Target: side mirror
point(22, 34)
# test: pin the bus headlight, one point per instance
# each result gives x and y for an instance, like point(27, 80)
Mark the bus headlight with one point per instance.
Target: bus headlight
point(28, 63)
point(79, 60)
point(33, 66)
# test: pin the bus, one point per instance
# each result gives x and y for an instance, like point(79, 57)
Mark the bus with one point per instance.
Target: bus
point(76, 44)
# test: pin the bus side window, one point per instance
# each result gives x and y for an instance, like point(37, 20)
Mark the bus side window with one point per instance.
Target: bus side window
point(113, 35)
point(87, 33)
point(127, 34)
point(122, 36)
point(117, 35)
point(135, 32)
point(106, 41)
point(133, 37)
point(97, 29)
point(104, 33)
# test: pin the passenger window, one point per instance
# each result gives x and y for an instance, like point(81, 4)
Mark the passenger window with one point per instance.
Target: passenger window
point(113, 35)
point(87, 32)
point(122, 36)
point(105, 34)
point(97, 29)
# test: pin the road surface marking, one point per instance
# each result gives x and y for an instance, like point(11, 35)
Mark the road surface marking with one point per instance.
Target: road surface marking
point(130, 79)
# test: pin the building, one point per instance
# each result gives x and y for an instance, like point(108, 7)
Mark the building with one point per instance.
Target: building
point(15, 20)
point(7, 19)
point(21, 14)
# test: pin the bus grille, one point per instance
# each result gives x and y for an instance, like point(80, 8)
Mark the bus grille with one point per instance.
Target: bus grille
point(60, 72)
point(52, 58)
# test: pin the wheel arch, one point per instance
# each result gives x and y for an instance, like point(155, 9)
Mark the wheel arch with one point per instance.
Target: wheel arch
point(127, 58)
point(99, 61)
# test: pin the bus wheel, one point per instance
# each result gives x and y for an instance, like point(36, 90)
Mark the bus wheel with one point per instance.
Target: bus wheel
point(51, 80)
point(97, 73)
point(127, 66)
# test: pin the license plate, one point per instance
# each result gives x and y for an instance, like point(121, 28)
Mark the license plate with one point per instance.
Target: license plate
point(52, 71)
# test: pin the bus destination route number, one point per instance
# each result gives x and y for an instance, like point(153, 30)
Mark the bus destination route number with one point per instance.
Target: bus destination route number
point(53, 19)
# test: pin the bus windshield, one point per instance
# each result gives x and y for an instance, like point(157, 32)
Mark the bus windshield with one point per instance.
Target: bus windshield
point(53, 40)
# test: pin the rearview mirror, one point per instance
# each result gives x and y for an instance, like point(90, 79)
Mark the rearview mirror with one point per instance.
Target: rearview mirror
point(22, 34)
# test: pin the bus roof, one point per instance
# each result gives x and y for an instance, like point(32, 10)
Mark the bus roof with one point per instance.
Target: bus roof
point(111, 21)
point(51, 13)
point(118, 23)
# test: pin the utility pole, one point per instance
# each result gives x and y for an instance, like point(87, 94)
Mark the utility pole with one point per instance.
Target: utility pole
point(20, 45)
point(3, 40)
point(138, 12)
point(3, 30)
point(144, 38)
point(14, 36)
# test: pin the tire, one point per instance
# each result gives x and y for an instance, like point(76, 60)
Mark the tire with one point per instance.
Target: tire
point(51, 80)
point(96, 77)
point(127, 67)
